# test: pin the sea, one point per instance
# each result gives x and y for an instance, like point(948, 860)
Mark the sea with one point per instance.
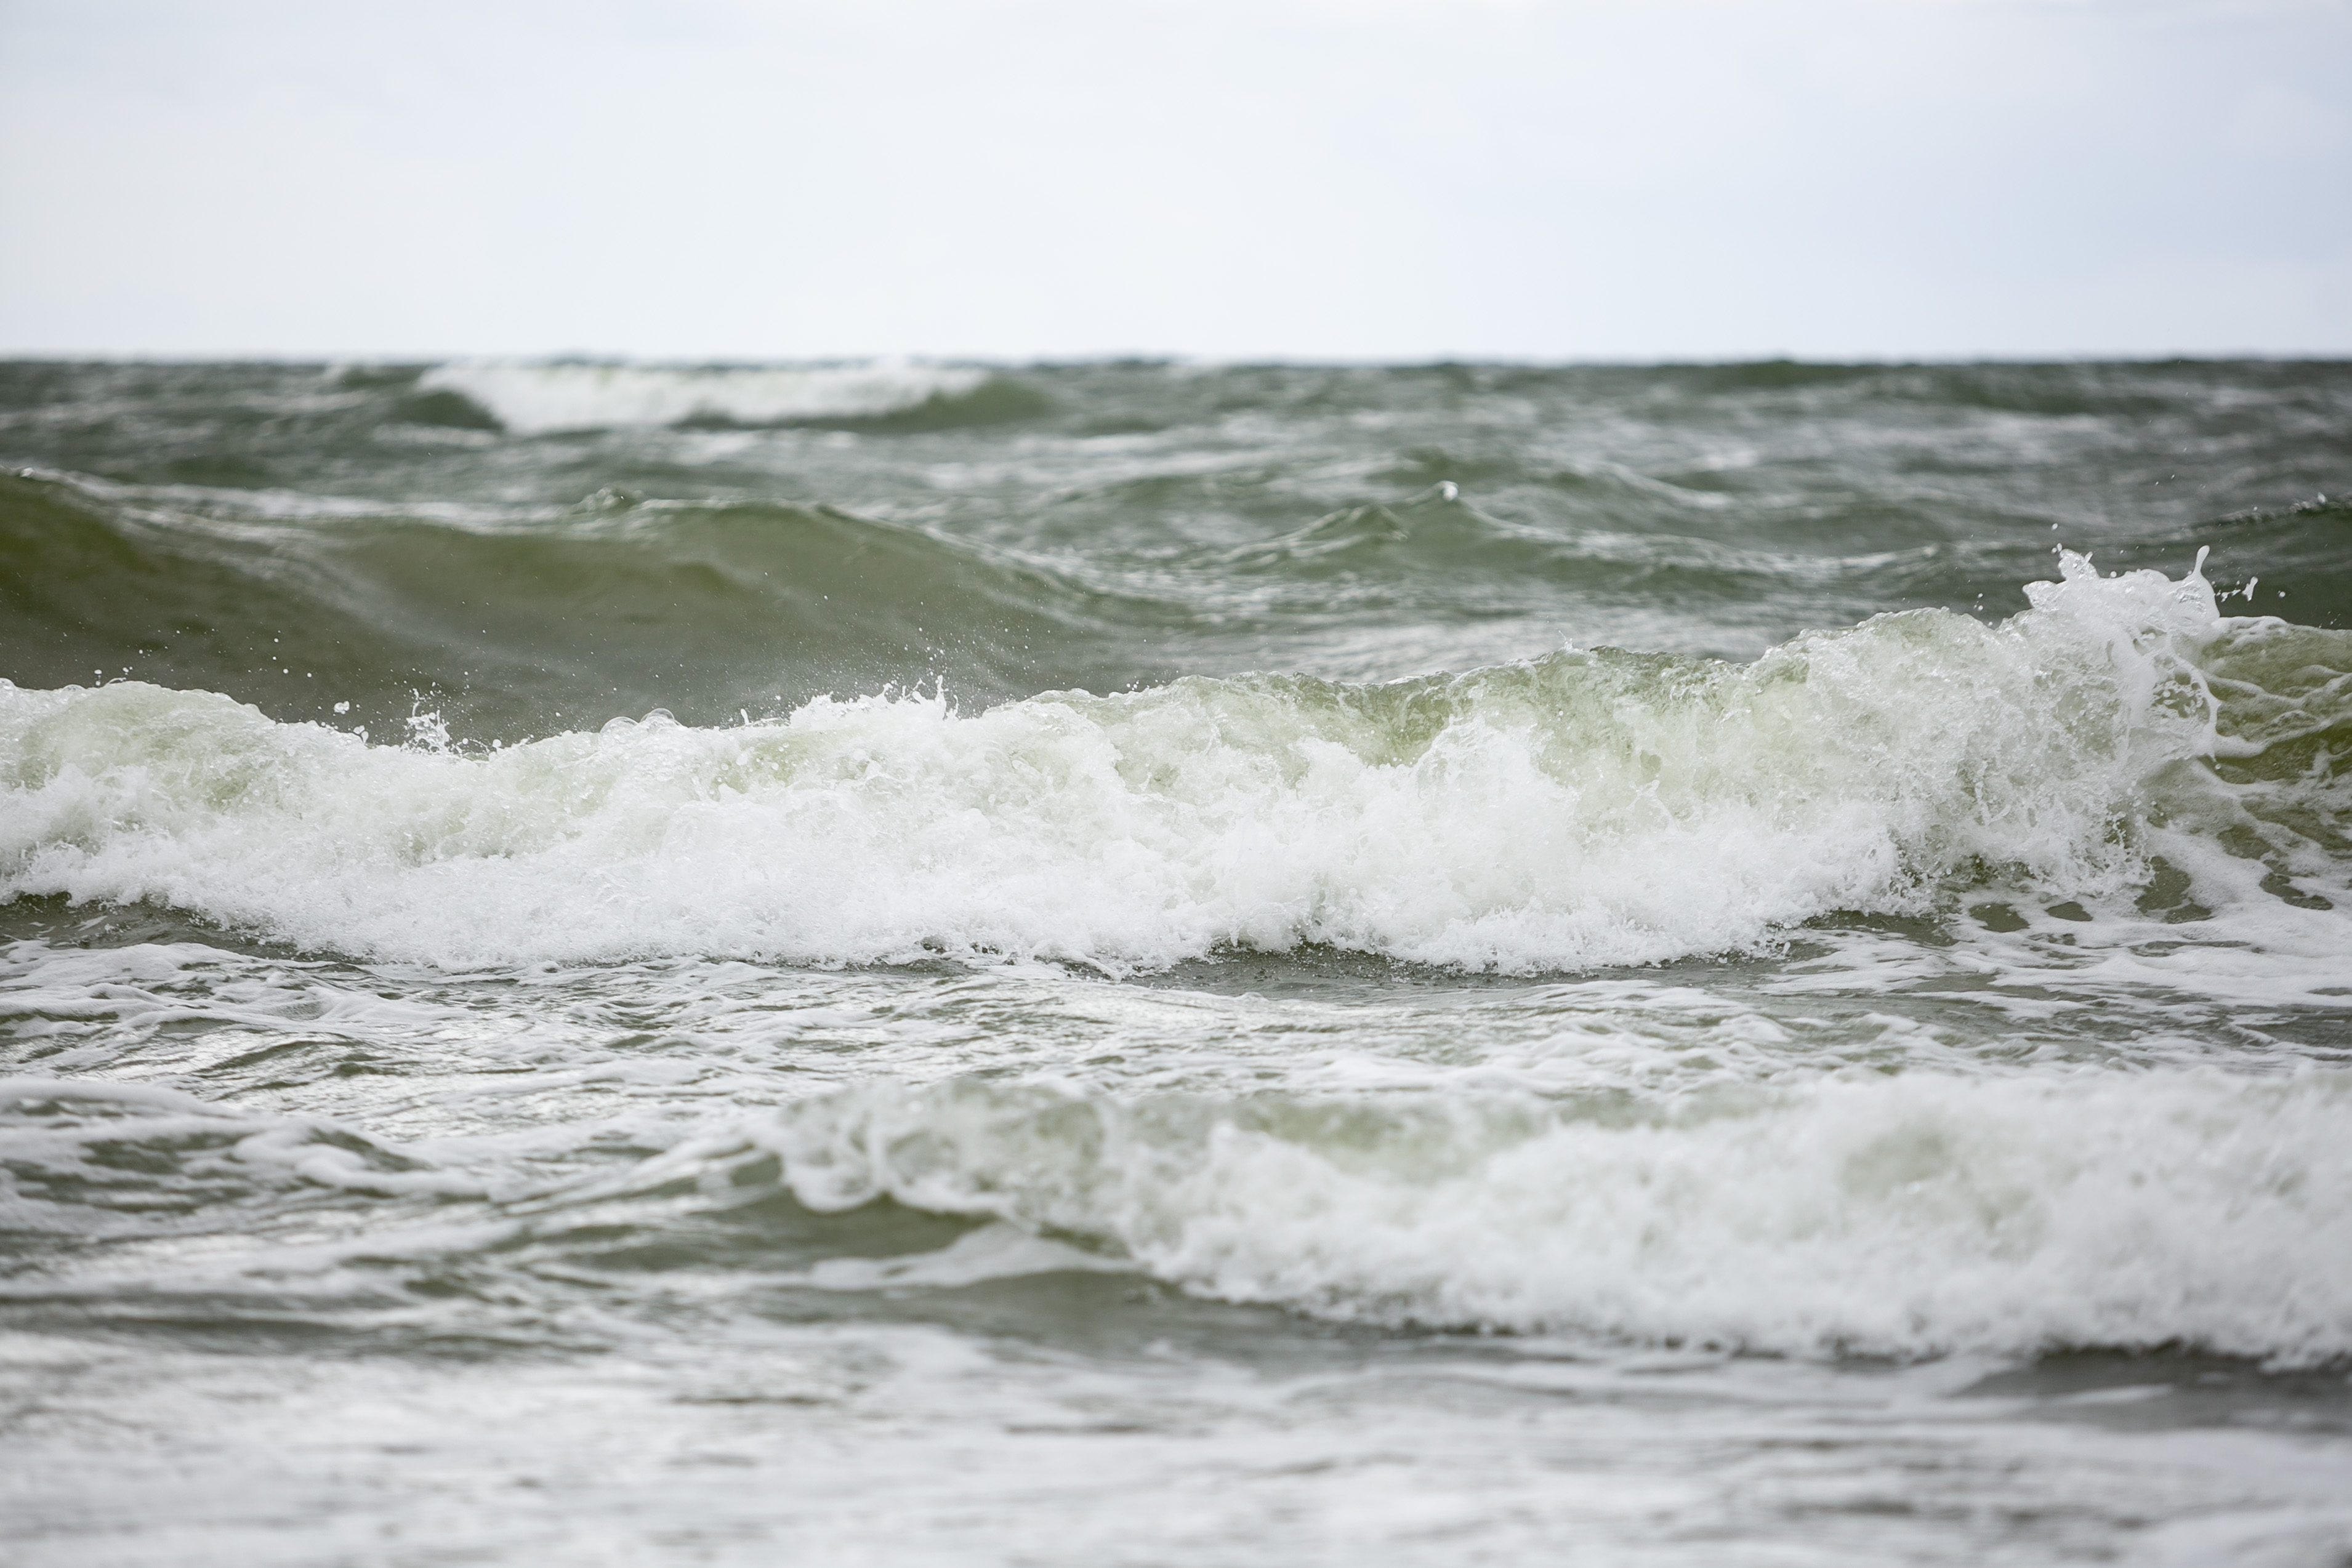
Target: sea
point(1142, 963)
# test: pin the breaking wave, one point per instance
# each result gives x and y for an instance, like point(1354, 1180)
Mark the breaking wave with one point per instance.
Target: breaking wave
point(1578, 809)
point(1908, 1217)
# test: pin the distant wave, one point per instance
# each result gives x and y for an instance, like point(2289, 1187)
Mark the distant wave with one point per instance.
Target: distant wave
point(531, 398)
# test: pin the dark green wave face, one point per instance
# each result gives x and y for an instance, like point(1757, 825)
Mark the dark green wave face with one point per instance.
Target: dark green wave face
point(533, 548)
point(509, 626)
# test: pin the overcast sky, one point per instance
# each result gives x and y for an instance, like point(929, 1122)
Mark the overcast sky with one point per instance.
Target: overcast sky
point(1296, 179)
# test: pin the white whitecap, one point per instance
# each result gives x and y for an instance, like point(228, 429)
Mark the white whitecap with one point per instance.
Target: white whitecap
point(533, 397)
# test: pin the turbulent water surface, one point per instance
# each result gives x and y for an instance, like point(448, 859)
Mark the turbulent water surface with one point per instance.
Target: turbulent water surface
point(1138, 963)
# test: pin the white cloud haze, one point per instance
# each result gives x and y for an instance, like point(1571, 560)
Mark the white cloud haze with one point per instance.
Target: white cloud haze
point(1286, 179)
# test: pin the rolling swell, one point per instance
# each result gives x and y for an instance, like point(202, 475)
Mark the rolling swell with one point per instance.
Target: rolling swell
point(509, 626)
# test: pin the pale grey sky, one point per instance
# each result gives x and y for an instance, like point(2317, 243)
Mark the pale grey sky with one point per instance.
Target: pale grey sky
point(1301, 178)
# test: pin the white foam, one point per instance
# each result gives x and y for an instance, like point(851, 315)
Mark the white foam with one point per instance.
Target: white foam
point(530, 398)
point(86, 1111)
point(1579, 811)
point(991, 1252)
point(1906, 1216)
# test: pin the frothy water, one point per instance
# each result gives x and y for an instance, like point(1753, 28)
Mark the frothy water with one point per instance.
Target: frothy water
point(915, 964)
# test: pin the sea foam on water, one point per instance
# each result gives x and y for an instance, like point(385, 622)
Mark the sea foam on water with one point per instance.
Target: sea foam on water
point(1905, 1217)
point(1581, 809)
